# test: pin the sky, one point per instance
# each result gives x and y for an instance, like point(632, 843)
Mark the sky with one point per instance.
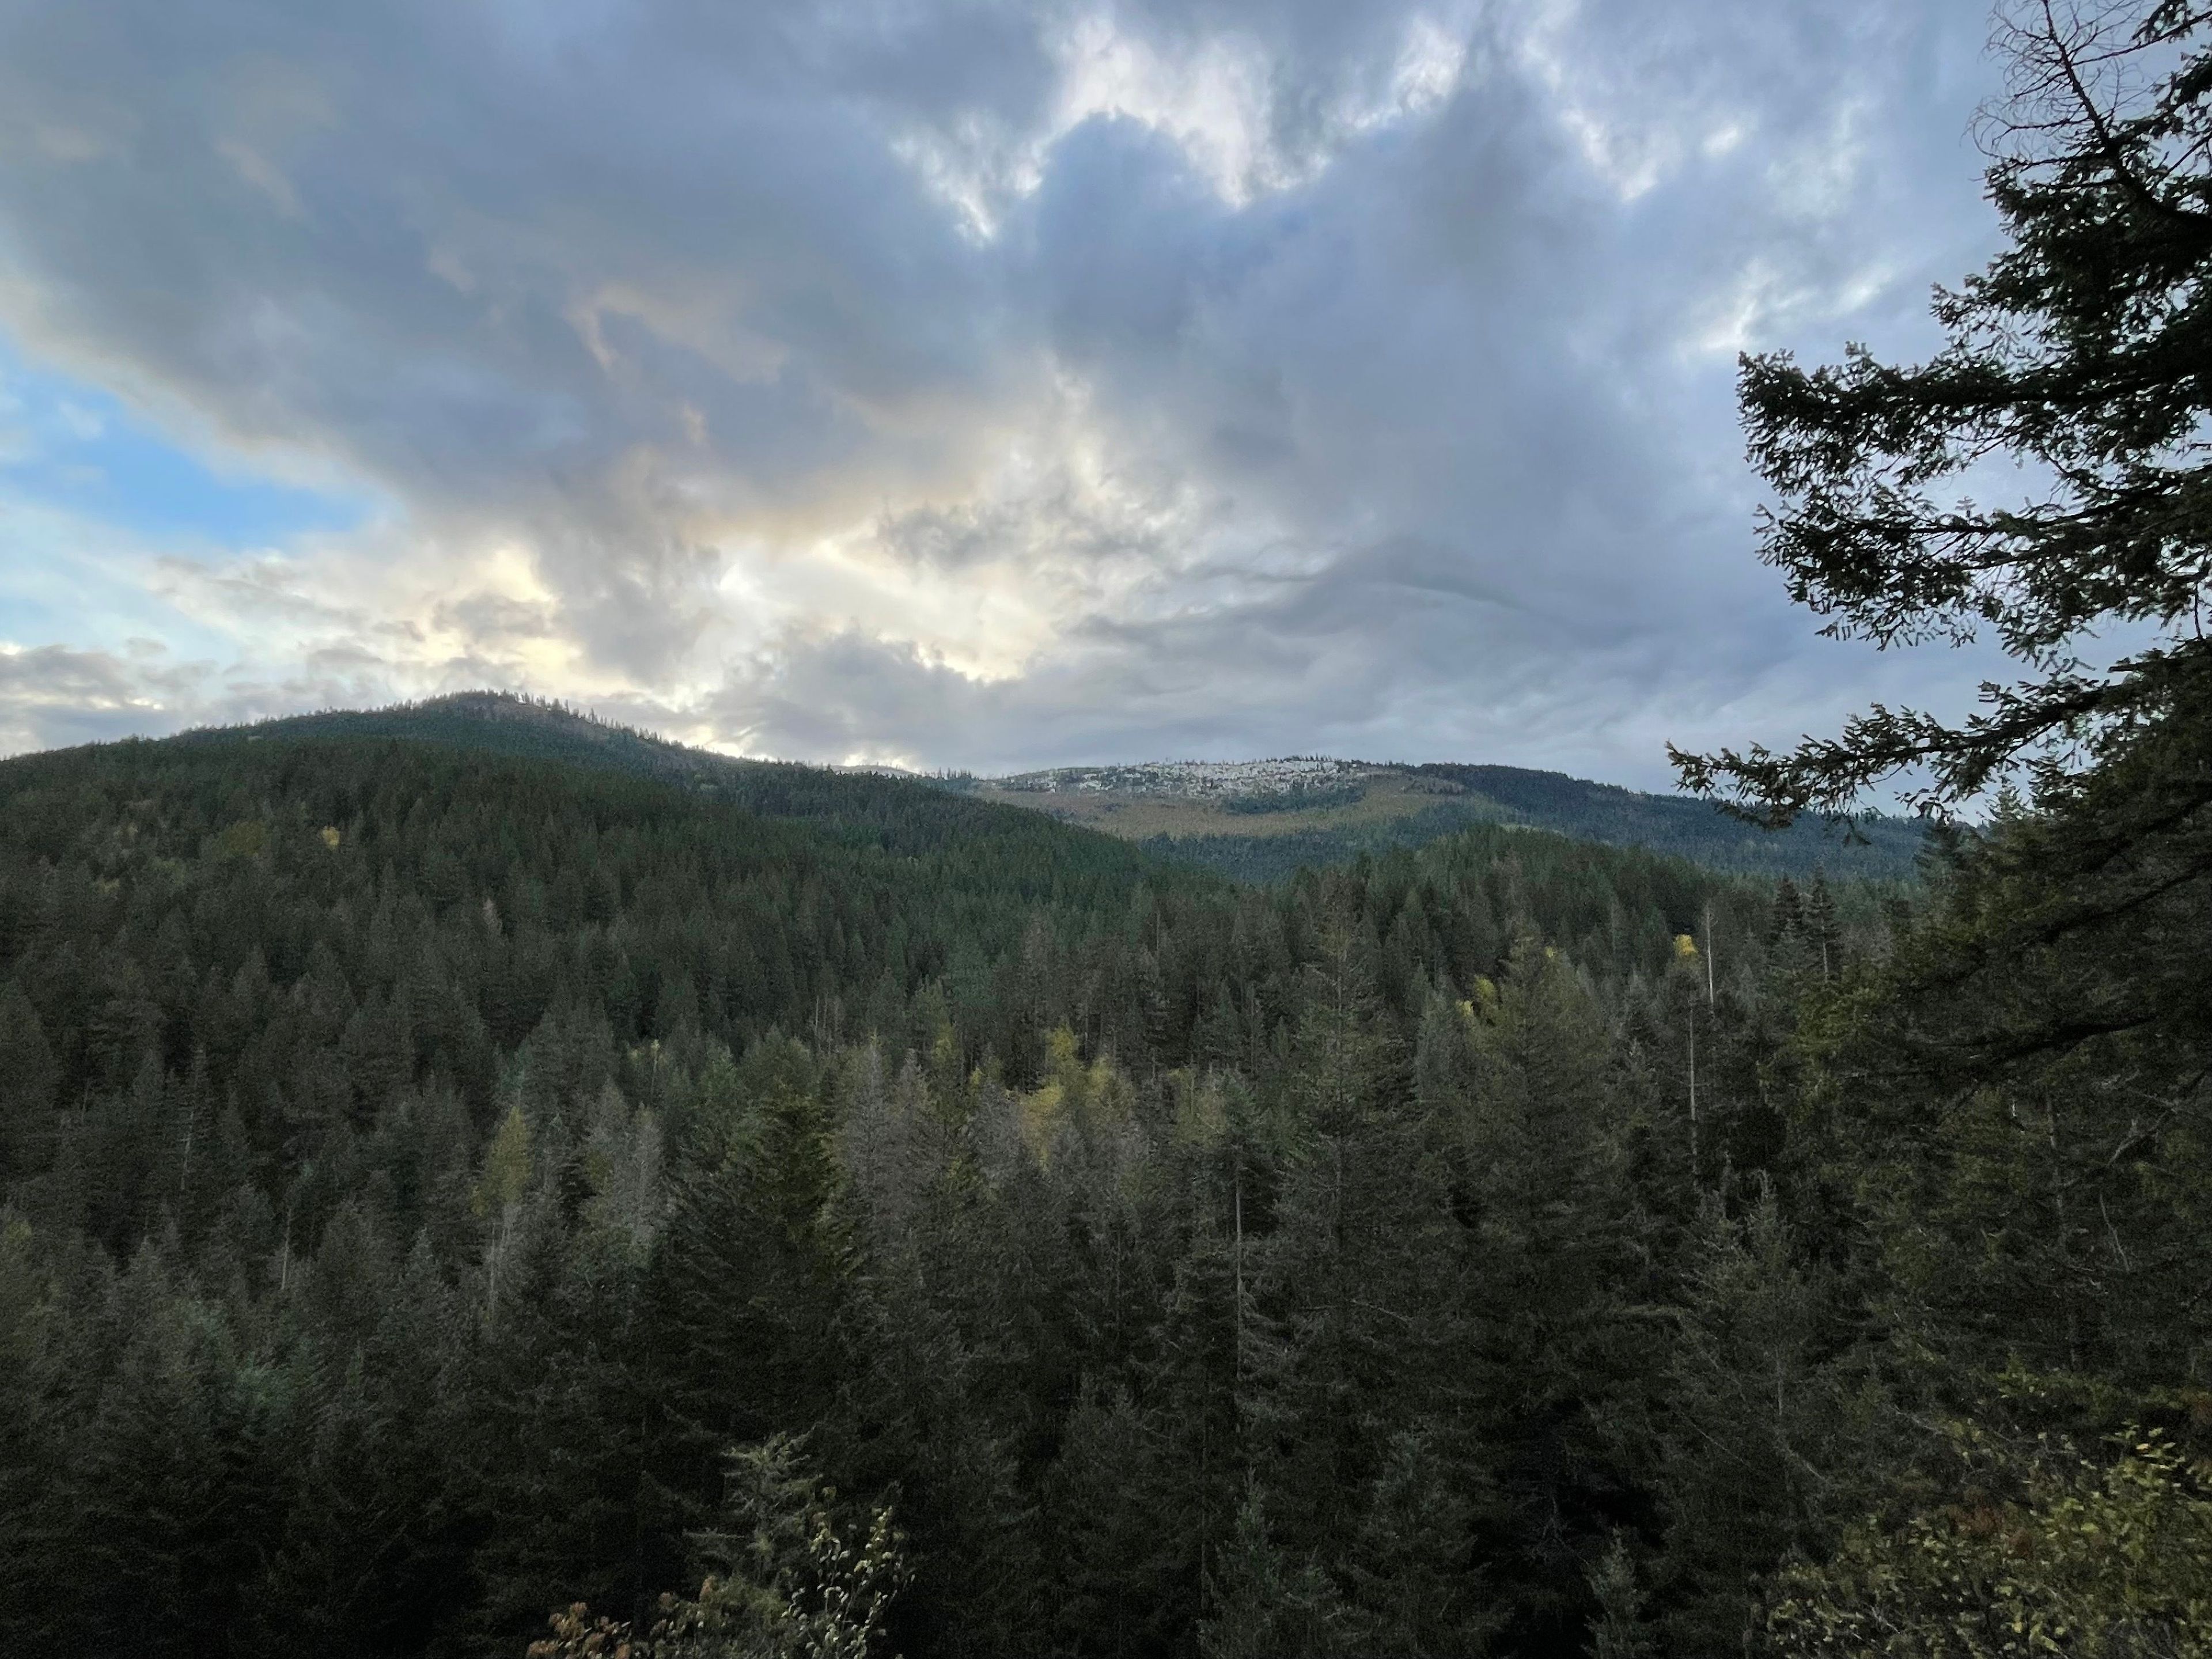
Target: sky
point(949, 384)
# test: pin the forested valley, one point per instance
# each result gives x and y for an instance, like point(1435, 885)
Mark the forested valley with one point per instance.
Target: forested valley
point(424, 1169)
point(444, 1188)
point(502, 1188)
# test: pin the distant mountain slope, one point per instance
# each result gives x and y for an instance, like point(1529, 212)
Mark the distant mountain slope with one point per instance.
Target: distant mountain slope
point(1689, 829)
point(736, 898)
point(901, 813)
point(1250, 820)
point(495, 722)
point(566, 864)
point(1259, 820)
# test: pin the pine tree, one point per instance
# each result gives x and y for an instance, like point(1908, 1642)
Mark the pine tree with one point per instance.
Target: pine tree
point(1788, 915)
point(1824, 937)
point(28, 1074)
point(1621, 1630)
point(1557, 1247)
point(499, 1195)
point(1261, 1605)
point(2075, 353)
point(1766, 1427)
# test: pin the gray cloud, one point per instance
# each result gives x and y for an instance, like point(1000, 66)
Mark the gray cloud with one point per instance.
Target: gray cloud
point(988, 384)
point(53, 696)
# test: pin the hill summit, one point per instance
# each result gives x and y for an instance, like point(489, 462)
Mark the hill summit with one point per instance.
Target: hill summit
point(1257, 820)
point(1260, 819)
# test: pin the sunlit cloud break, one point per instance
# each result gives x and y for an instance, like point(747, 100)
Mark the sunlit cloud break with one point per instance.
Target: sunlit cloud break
point(959, 384)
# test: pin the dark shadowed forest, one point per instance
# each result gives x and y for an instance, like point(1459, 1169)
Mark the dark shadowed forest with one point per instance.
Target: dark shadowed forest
point(473, 1182)
point(428, 1170)
point(424, 1167)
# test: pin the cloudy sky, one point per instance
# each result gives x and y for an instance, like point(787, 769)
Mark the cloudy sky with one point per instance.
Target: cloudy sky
point(983, 383)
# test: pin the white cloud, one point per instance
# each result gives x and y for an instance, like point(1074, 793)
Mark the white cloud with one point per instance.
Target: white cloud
point(979, 381)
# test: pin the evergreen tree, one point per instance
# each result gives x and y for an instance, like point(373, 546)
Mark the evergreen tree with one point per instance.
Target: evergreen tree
point(420, 1192)
point(1261, 1605)
point(2077, 352)
point(29, 1075)
point(1997, 1115)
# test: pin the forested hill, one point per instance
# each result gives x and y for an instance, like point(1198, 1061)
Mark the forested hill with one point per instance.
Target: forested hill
point(901, 813)
point(538, 1192)
point(1388, 808)
point(436, 1183)
point(1260, 820)
point(442, 1183)
point(740, 896)
point(1875, 847)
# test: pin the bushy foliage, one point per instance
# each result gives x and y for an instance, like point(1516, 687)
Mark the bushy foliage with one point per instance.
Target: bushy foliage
point(2042, 1551)
point(790, 1583)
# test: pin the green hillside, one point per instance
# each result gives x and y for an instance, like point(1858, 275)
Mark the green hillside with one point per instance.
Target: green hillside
point(1371, 808)
point(1394, 806)
point(1870, 845)
point(422, 1159)
point(901, 813)
point(444, 1181)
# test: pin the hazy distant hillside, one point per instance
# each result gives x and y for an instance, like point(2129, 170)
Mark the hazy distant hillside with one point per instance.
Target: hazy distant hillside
point(1259, 820)
point(1253, 820)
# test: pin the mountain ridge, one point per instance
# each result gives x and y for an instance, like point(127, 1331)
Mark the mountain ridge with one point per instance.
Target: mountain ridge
point(1259, 820)
point(1255, 820)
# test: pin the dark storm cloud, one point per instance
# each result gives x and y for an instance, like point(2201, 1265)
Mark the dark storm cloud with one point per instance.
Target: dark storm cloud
point(1365, 369)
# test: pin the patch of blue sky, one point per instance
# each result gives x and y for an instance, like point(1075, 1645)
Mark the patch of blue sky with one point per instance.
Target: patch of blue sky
point(69, 579)
point(72, 446)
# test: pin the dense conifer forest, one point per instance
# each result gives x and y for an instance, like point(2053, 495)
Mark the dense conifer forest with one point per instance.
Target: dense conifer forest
point(1880, 850)
point(1864, 846)
point(502, 1188)
point(424, 1168)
